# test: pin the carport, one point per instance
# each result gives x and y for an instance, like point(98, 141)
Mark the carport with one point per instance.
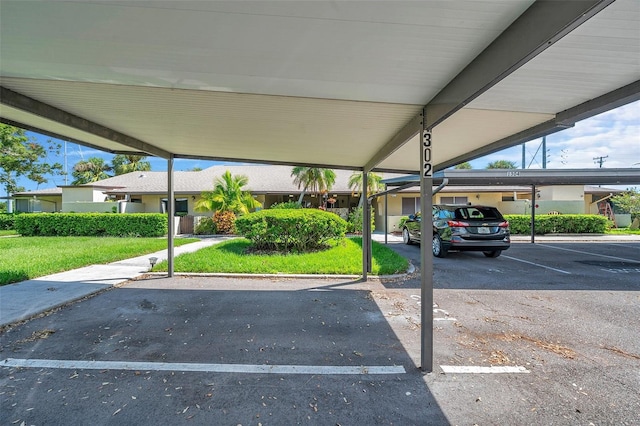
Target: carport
point(533, 178)
point(406, 87)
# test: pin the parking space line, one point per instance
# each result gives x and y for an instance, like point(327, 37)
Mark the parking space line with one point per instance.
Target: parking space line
point(472, 369)
point(589, 253)
point(537, 264)
point(206, 368)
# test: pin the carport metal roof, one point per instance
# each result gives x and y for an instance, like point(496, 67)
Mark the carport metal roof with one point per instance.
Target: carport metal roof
point(341, 84)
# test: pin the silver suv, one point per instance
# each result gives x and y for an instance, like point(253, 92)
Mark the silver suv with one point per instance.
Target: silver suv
point(462, 228)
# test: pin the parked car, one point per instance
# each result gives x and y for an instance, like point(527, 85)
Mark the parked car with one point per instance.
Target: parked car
point(462, 228)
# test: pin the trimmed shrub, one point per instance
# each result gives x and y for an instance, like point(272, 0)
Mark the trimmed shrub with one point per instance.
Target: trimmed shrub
point(286, 205)
point(225, 222)
point(564, 224)
point(355, 221)
point(206, 226)
point(7, 221)
point(92, 224)
point(298, 230)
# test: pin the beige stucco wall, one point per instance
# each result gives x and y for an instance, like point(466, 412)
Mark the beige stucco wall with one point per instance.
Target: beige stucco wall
point(89, 207)
point(562, 192)
point(84, 194)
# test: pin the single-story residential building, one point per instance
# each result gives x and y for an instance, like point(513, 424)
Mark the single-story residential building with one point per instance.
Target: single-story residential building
point(146, 192)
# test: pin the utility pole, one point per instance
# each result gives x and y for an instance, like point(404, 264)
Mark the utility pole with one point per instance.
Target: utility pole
point(600, 160)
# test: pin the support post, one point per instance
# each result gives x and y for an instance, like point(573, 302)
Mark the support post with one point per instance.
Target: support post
point(366, 231)
point(386, 218)
point(533, 214)
point(426, 255)
point(170, 213)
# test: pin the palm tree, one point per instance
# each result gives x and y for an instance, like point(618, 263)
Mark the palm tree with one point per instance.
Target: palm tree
point(92, 170)
point(228, 195)
point(374, 184)
point(316, 180)
point(130, 163)
point(502, 164)
point(463, 166)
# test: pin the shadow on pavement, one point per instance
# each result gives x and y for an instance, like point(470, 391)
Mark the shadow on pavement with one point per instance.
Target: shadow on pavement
point(196, 323)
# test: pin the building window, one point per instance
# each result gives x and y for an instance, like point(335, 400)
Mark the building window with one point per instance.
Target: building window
point(181, 206)
point(454, 200)
point(410, 205)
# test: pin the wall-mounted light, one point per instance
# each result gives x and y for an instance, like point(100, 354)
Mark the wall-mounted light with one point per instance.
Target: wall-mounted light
point(193, 197)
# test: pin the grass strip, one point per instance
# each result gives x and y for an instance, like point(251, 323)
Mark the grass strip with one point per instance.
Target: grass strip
point(344, 257)
point(23, 258)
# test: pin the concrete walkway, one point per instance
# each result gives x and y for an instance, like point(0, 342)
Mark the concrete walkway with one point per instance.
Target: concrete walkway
point(25, 299)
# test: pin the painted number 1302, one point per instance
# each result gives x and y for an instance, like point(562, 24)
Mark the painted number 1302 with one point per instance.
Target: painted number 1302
point(426, 154)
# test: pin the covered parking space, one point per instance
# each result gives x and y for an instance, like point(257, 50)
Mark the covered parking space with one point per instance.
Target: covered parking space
point(533, 178)
point(406, 87)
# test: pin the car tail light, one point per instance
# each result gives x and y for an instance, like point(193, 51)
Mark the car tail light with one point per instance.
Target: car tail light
point(457, 224)
point(504, 224)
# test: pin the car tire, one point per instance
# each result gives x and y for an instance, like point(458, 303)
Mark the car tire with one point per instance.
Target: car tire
point(437, 247)
point(406, 237)
point(492, 253)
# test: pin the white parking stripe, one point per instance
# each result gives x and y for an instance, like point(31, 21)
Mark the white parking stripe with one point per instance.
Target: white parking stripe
point(591, 254)
point(537, 264)
point(208, 368)
point(472, 369)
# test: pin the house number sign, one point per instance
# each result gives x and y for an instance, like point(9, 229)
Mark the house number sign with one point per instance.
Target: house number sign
point(426, 154)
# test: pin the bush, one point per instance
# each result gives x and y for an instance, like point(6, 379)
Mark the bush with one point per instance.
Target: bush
point(7, 221)
point(206, 226)
point(565, 223)
point(298, 230)
point(225, 222)
point(286, 205)
point(355, 221)
point(92, 224)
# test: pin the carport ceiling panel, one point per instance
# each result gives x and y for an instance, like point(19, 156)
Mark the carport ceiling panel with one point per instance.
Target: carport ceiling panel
point(466, 131)
point(229, 125)
point(596, 58)
point(397, 52)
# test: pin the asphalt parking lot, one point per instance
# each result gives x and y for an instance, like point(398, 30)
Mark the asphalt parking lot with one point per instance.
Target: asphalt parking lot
point(562, 318)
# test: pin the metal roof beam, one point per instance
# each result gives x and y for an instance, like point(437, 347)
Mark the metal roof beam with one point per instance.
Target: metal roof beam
point(617, 98)
point(41, 109)
point(538, 28)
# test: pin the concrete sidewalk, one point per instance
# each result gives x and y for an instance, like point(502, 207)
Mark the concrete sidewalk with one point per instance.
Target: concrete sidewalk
point(25, 299)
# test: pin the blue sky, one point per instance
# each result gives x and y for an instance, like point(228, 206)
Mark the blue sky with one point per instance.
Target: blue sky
point(614, 135)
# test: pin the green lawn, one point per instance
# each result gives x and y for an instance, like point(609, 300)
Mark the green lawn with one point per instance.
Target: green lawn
point(344, 257)
point(9, 232)
point(623, 231)
point(23, 258)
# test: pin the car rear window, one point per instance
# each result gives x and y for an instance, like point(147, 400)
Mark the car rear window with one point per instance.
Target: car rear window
point(485, 213)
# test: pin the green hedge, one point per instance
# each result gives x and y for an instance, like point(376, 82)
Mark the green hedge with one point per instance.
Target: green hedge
point(563, 224)
point(7, 221)
point(291, 229)
point(92, 224)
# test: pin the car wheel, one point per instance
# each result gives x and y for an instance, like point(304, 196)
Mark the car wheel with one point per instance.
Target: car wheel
point(493, 253)
point(406, 237)
point(437, 248)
